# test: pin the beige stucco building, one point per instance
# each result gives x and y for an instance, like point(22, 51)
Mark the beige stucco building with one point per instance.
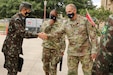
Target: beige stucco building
point(107, 4)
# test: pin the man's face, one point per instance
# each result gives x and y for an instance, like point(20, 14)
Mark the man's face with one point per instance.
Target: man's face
point(70, 11)
point(52, 19)
point(27, 12)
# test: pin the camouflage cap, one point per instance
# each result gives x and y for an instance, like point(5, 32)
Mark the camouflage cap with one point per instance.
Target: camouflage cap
point(25, 4)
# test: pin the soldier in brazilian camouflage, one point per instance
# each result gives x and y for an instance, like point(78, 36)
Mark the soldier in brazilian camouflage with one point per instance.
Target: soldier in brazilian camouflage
point(53, 48)
point(104, 62)
point(82, 41)
point(12, 46)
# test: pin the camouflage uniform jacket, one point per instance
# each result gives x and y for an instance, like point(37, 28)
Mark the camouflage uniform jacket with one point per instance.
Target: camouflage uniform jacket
point(78, 32)
point(54, 43)
point(16, 32)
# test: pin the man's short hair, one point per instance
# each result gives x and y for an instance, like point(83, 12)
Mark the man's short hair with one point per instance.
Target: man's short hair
point(26, 5)
point(72, 5)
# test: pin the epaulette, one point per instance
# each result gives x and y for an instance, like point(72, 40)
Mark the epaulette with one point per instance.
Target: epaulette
point(16, 17)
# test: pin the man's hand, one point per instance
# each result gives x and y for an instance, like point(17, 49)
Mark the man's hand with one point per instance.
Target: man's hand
point(42, 35)
point(93, 56)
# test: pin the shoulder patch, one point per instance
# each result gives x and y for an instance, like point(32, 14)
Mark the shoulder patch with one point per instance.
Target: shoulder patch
point(17, 19)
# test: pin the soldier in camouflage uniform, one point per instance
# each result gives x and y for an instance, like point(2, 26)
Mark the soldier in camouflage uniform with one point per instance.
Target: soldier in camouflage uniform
point(104, 62)
point(82, 41)
point(12, 46)
point(53, 48)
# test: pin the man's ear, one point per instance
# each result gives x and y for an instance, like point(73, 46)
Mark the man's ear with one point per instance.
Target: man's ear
point(75, 11)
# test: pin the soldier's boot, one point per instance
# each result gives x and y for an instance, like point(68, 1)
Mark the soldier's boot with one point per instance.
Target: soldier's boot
point(46, 73)
point(10, 73)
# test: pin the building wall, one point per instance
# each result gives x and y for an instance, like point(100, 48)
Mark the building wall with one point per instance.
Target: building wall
point(107, 4)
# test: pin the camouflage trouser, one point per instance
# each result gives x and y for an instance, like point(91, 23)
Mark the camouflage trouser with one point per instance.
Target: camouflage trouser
point(103, 64)
point(11, 64)
point(50, 60)
point(73, 62)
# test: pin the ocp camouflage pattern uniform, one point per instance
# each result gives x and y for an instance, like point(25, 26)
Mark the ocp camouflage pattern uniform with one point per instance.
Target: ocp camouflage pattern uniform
point(104, 62)
point(12, 46)
point(52, 49)
point(80, 45)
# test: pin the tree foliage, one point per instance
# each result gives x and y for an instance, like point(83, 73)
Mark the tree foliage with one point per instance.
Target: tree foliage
point(10, 7)
point(101, 14)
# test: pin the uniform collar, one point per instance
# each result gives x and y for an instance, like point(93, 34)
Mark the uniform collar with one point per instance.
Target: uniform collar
point(23, 17)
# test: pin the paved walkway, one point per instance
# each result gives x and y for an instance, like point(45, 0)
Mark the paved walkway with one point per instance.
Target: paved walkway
point(32, 59)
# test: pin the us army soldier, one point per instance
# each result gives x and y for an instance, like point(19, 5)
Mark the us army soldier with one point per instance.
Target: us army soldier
point(52, 48)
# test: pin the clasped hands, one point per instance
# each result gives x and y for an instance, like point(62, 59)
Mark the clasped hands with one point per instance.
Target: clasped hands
point(42, 35)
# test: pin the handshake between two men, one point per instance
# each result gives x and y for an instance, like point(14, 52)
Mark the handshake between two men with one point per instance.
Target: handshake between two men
point(42, 35)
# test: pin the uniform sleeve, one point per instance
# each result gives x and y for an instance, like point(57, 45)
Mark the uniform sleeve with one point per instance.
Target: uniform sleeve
point(92, 37)
point(58, 34)
point(63, 43)
point(22, 32)
point(45, 27)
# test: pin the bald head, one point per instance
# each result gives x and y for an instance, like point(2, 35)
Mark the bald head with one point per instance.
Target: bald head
point(53, 16)
point(53, 12)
